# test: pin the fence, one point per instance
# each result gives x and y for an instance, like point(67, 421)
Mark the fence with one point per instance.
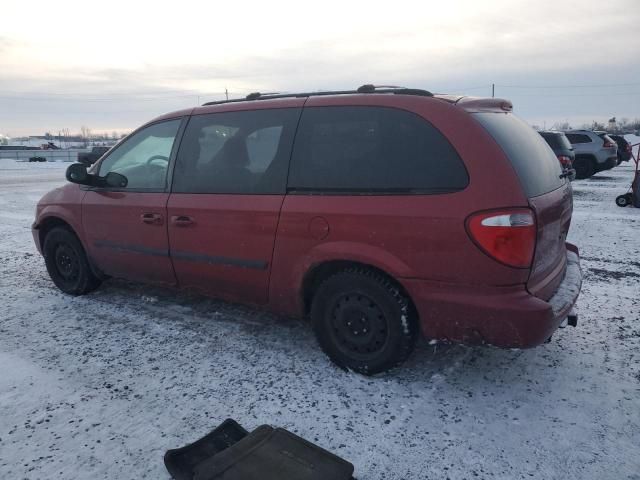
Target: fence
point(49, 155)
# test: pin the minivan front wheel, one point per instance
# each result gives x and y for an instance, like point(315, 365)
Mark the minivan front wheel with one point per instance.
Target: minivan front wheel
point(67, 263)
point(363, 322)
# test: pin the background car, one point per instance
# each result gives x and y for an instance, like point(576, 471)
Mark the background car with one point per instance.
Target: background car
point(92, 156)
point(561, 146)
point(624, 148)
point(594, 152)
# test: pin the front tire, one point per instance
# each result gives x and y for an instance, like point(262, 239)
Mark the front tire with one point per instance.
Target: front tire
point(67, 263)
point(363, 322)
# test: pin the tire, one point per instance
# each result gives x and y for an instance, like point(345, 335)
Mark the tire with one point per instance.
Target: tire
point(584, 167)
point(363, 322)
point(623, 200)
point(67, 263)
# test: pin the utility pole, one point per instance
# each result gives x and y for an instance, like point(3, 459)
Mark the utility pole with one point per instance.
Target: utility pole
point(226, 93)
point(493, 90)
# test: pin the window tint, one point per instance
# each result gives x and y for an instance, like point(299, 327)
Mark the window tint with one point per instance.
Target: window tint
point(578, 138)
point(144, 157)
point(535, 163)
point(557, 141)
point(372, 149)
point(236, 152)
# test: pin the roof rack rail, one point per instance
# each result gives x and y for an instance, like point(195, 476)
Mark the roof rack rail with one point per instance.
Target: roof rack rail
point(367, 88)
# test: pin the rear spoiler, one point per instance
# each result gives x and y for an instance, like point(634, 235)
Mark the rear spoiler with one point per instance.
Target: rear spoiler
point(478, 104)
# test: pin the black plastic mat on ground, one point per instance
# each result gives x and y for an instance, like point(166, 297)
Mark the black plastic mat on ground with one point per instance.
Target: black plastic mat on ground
point(231, 453)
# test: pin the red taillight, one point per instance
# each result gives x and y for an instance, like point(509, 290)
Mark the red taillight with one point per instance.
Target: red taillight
point(628, 148)
point(508, 236)
point(608, 144)
point(565, 161)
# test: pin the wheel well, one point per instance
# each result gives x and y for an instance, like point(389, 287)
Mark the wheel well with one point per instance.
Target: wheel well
point(319, 273)
point(49, 224)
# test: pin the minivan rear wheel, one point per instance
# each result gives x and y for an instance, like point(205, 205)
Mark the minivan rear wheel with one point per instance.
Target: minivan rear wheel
point(67, 263)
point(363, 322)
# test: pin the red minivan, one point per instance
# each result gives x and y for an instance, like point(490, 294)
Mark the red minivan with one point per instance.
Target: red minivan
point(380, 213)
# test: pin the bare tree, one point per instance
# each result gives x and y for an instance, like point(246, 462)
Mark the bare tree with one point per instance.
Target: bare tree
point(561, 126)
point(85, 133)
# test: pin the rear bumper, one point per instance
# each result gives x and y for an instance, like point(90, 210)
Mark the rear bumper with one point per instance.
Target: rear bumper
point(507, 317)
point(608, 164)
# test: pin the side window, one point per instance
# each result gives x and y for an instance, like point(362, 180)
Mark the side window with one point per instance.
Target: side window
point(144, 157)
point(372, 149)
point(243, 152)
point(578, 138)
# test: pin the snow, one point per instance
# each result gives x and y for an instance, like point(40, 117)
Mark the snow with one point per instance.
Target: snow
point(100, 386)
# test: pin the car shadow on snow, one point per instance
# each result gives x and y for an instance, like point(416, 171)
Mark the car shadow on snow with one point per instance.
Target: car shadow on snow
point(280, 337)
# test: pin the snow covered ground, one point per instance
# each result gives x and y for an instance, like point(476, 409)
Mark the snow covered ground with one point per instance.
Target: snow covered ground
point(100, 386)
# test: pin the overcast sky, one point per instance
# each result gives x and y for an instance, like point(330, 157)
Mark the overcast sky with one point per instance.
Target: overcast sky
point(114, 65)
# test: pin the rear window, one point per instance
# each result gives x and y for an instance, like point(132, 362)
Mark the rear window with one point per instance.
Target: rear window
point(372, 150)
point(535, 163)
point(558, 141)
point(607, 138)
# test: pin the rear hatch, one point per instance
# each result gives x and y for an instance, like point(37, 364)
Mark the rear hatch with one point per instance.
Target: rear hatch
point(549, 195)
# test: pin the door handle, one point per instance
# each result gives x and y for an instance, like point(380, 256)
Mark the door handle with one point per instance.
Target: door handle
point(182, 221)
point(151, 218)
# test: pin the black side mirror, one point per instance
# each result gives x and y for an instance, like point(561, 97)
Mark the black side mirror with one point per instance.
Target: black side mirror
point(77, 173)
point(115, 180)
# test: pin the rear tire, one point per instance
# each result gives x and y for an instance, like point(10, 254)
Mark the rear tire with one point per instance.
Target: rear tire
point(363, 322)
point(584, 167)
point(67, 263)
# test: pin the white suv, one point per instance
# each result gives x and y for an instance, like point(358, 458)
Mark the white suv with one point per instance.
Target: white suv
point(595, 151)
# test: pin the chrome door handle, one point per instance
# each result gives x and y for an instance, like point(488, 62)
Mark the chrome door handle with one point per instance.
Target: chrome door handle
point(182, 221)
point(151, 218)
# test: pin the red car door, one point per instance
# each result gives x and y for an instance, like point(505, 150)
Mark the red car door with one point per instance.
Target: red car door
point(126, 229)
point(228, 187)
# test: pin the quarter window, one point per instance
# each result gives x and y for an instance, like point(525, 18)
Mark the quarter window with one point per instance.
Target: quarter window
point(144, 157)
point(372, 150)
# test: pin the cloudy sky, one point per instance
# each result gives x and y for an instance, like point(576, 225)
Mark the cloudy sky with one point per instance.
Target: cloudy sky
point(113, 65)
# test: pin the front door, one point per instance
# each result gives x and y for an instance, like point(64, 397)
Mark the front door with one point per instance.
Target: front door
point(229, 185)
point(126, 228)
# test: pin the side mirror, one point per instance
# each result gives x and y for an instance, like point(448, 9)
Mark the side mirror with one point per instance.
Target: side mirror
point(115, 180)
point(77, 173)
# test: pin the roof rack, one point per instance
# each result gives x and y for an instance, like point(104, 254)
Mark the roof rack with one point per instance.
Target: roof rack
point(368, 88)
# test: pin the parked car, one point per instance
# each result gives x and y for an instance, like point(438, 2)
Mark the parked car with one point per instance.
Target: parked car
point(562, 148)
point(92, 156)
point(624, 148)
point(381, 214)
point(594, 152)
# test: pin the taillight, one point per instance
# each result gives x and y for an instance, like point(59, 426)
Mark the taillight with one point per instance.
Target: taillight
point(508, 236)
point(628, 148)
point(565, 161)
point(608, 144)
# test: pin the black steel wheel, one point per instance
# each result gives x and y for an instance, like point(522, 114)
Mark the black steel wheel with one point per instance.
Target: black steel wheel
point(363, 321)
point(67, 263)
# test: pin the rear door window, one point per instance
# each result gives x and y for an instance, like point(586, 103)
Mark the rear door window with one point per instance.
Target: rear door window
point(578, 138)
point(372, 150)
point(533, 160)
point(244, 152)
